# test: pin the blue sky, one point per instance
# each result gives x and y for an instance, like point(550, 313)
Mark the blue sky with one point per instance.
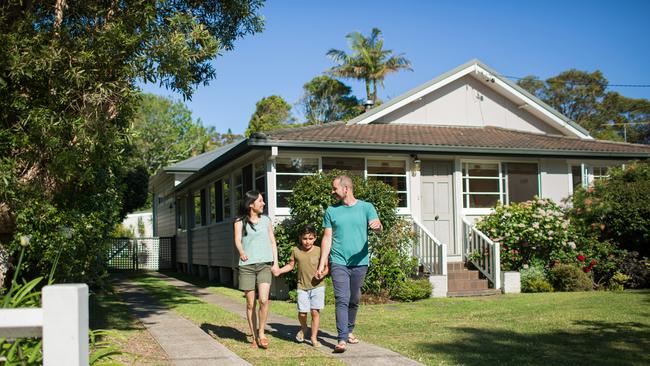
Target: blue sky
point(516, 38)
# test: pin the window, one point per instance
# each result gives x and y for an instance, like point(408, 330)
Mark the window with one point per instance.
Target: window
point(577, 176)
point(599, 172)
point(354, 166)
point(199, 208)
point(225, 194)
point(486, 183)
point(213, 203)
point(522, 181)
point(481, 185)
point(260, 178)
point(238, 186)
point(287, 173)
point(180, 213)
point(217, 201)
point(392, 173)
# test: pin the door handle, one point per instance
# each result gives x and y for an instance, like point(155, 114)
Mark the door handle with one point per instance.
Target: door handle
point(436, 218)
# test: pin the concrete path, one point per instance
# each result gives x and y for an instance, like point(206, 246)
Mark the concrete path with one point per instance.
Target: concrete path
point(183, 341)
point(362, 353)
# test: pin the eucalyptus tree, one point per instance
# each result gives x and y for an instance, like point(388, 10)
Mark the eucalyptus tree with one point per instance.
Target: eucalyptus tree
point(368, 61)
point(68, 90)
point(271, 113)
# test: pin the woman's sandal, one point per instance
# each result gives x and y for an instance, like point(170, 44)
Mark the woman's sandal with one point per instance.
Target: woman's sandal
point(340, 347)
point(263, 343)
point(353, 340)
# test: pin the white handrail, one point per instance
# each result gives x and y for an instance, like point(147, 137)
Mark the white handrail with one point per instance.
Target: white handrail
point(490, 262)
point(62, 322)
point(429, 250)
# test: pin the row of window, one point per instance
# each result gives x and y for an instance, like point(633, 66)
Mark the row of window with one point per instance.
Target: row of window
point(483, 183)
point(288, 170)
point(221, 199)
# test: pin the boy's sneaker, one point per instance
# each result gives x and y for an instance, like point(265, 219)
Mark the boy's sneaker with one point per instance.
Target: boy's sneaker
point(300, 337)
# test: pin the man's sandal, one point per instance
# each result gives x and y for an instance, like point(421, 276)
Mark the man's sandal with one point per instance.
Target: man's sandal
point(340, 347)
point(300, 336)
point(353, 340)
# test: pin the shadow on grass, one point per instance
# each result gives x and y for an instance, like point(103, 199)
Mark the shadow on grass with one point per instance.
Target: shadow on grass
point(599, 343)
point(225, 332)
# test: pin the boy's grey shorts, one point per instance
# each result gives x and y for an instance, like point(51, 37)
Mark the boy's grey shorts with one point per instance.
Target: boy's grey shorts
point(311, 299)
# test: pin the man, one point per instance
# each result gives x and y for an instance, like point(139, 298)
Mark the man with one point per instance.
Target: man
point(345, 244)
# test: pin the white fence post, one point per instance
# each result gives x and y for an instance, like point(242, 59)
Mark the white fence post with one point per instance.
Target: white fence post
point(65, 325)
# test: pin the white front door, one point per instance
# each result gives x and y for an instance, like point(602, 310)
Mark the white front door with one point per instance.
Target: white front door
point(438, 202)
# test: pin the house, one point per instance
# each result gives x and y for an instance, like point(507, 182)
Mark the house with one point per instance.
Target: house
point(451, 147)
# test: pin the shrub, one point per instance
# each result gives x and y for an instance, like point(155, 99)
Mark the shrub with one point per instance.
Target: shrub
point(617, 282)
point(638, 269)
point(412, 289)
point(617, 208)
point(566, 277)
point(533, 279)
point(532, 231)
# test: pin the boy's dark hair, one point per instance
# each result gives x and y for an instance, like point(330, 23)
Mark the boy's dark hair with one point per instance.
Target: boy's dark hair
point(307, 229)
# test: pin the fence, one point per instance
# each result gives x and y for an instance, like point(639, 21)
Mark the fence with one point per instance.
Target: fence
point(142, 253)
point(62, 322)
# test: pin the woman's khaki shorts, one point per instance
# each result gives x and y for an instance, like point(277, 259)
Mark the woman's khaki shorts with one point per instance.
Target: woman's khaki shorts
point(251, 275)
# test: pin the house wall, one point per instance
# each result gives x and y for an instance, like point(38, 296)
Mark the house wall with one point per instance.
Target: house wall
point(222, 245)
point(163, 205)
point(555, 179)
point(468, 102)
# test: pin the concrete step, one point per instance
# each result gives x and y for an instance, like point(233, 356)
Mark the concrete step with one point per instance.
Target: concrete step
point(466, 285)
point(485, 292)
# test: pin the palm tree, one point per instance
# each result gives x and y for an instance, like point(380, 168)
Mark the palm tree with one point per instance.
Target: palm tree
point(368, 61)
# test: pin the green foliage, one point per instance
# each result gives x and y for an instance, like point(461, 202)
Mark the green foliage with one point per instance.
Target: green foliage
point(638, 269)
point(535, 231)
point(567, 277)
point(582, 96)
point(617, 208)
point(271, 113)
point(618, 281)
point(533, 279)
point(369, 61)
point(390, 260)
point(412, 290)
point(326, 99)
point(68, 91)
point(164, 132)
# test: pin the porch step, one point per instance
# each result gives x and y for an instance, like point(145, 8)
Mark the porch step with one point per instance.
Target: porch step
point(486, 292)
point(462, 281)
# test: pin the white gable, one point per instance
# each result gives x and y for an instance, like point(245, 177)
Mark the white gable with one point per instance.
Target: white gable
point(467, 102)
point(473, 95)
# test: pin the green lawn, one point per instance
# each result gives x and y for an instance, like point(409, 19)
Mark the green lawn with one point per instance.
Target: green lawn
point(602, 328)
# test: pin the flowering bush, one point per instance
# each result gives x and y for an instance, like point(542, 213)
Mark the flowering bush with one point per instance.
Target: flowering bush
point(534, 231)
point(533, 279)
point(568, 277)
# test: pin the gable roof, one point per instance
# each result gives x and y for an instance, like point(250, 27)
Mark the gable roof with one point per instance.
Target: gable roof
point(492, 79)
point(196, 163)
point(445, 139)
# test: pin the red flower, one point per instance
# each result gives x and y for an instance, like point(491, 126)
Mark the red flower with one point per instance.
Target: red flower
point(586, 269)
point(581, 257)
point(592, 262)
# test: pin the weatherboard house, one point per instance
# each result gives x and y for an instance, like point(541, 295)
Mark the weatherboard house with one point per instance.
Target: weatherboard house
point(451, 148)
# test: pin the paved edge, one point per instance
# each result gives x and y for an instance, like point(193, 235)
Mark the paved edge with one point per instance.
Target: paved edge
point(183, 341)
point(362, 353)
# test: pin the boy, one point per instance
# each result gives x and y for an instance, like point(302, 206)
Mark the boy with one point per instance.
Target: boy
point(311, 291)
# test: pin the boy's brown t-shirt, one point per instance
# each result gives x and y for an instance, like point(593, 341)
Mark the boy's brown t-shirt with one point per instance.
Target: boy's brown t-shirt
point(307, 263)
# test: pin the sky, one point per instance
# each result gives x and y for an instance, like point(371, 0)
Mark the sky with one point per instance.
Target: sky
point(515, 38)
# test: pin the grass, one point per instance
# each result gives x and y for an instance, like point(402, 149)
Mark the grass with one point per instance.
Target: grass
point(580, 328)
point(231, 330)
point(107, 311)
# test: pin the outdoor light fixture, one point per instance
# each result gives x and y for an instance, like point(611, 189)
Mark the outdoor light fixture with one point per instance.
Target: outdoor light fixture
point(415, 165)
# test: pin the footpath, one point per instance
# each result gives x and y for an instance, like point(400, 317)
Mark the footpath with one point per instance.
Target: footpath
point(180, 338)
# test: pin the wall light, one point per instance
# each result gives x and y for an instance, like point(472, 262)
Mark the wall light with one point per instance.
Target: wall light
point(415, 165)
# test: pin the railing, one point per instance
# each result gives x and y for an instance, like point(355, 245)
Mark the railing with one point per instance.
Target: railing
point(431, 253)
point(482, 252)
point(62, 322)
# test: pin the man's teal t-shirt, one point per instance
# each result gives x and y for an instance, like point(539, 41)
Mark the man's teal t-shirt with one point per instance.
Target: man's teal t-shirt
point(349, 232)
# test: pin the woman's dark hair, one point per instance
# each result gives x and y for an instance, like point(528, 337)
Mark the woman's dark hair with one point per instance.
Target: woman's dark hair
point(307, 229)
point(245, 209)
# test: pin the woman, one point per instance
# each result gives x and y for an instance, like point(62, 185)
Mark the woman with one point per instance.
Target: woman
point(258, 256)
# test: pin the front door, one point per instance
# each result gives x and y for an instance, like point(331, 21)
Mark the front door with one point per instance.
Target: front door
point(438, 202)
